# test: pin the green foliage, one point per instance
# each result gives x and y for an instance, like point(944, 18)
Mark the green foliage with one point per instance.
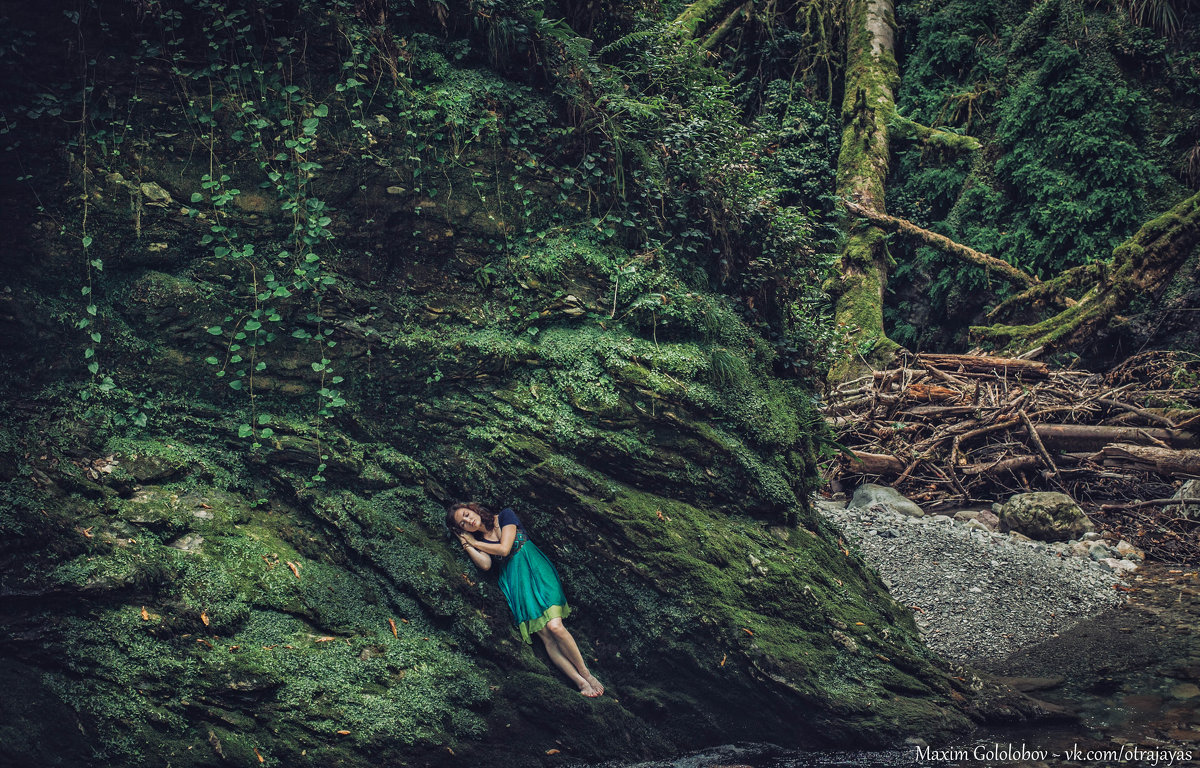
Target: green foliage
point(591, 269)
point(1073, 159)
point(1166, 16)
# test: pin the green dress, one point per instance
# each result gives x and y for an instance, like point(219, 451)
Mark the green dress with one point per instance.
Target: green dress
point(529, 582)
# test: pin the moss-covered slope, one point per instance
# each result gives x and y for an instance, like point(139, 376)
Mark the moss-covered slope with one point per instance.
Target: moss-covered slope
point(236, 401)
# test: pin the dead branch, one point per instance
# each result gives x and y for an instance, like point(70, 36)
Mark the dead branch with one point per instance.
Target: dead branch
point(942, 243)
point(942, 427)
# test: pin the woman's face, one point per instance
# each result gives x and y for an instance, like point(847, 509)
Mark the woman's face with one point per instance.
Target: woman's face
point(467, 520)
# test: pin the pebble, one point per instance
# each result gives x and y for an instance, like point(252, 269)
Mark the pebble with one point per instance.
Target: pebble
point(978, 595)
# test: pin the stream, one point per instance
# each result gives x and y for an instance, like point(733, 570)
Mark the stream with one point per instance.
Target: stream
point(1132, 675)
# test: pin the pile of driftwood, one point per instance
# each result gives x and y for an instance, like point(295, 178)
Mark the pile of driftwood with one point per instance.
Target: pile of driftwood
point(950, 430)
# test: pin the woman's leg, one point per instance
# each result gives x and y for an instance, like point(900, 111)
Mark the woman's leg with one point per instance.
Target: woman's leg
point(568, 648)
point(563, 663)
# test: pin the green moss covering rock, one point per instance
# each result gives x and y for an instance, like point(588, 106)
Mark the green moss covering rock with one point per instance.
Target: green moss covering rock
point(221, 501)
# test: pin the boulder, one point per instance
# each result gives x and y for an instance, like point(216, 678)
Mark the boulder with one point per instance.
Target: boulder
point(1189, 490)
point(1098, 550)
point(1045, 516)
point(1118, 566)
point(988, 519)
point(871, 496)
point(1129, 552)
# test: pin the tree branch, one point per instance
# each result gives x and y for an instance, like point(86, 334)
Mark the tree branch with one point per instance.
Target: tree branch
point(1140, 266)
point(943, 244)
point(932, 137)
point(719, 33)
point(700, 14)
point(1051, 291)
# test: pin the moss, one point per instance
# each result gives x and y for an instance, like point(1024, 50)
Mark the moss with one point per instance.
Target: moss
point(237, 608)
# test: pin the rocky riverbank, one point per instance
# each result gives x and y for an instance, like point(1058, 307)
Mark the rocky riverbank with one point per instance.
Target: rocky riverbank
point(979, 594)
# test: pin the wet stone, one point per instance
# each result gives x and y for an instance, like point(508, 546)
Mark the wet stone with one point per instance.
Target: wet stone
point(1185, 691)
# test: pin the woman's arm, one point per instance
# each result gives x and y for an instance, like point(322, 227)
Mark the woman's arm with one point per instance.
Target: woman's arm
point(481, 559)
point(508, 534)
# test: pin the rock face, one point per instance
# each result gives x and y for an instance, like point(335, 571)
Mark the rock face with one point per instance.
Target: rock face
point(1045, 516)
point(224, 544)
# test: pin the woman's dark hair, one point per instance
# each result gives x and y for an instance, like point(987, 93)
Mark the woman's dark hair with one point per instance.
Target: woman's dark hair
point(485, 516)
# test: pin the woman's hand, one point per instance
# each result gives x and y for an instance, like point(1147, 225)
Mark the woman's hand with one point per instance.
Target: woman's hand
point(467, 541)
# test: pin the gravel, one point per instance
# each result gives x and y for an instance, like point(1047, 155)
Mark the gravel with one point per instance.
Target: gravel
point(975, 594)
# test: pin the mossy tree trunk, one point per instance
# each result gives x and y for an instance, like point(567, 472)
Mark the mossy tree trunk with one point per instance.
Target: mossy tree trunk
point(1139, 266)
point(871, 78)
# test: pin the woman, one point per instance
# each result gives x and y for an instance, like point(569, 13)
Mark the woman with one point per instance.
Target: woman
point(528, 581)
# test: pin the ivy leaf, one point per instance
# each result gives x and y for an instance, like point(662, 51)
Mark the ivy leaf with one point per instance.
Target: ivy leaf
point(215, 330)
point(93, 367)
point(235, 384)
point(253, 325)
point(211, 360)
point(87, 241)
point(321, 110)
point(264, 418)
point(245, 431)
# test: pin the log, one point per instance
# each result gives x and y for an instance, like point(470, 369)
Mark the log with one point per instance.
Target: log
point(1085, 437)
point(937, 411)
point(875, 464)
point(1139, 268)
point(907, 128)
point(931, 393)
point(986, 364)
point(1147, 458)
point(1149, 503)
point(699, 15)
point(943, 244)
point(1011, 464)
point(1144, 413)
point(726, 26)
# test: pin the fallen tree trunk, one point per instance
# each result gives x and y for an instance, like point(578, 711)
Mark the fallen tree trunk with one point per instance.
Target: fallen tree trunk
point(943, 244)
point(985, 364)
point(1084, 437)
point(1140, 267)
point(997, 426)
point(724, 28)
point(876, 463)
point(1010, 464)
point(701, 14)
point(1145, 458)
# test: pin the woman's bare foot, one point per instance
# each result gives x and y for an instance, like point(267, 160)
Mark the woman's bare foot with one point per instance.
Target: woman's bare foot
point(588, 690)
point(595, 685)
